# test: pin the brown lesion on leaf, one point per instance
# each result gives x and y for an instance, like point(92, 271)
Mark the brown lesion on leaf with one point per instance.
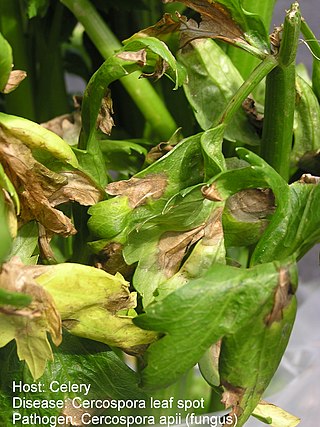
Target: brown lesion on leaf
point(16, 277)
point(139, 190)
point(34, 184)
point(105, 121)
point(67, 126)
point(110, 259)
point(216, 22)
point(173, 246)
point(231, 398)
point(41, 189)
point(139, 57)
point(307, 178)
point(164, 147)
point(252, 205)
point(282, 297)
point(255, 118)
point(122, 301)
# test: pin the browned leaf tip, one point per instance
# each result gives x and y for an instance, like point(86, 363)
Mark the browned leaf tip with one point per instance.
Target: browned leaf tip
point(210, 192)
point(231, 398)
point(282, 297)
point(216, 22)
point(16, 277)
point(161, 29)
point(34, 184)
point(139, 190)
point(15, 78)
point(105, 121)
point(307, 178)
point(139, 57)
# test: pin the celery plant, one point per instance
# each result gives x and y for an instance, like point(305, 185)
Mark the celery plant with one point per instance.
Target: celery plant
point(176, 246)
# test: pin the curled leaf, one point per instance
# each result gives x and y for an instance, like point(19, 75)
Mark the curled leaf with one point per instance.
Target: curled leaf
point(36, 185)
point(33, 136)
point(105, 121)
point(15, 78)
point(96, 305)
point(67, 126)
point(29, 325)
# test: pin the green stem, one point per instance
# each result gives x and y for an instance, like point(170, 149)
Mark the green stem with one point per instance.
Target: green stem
point(246, 88)
point(52, 97)
point(20, 101)
point(143, 94)
point(280, 99)
point(314, 46)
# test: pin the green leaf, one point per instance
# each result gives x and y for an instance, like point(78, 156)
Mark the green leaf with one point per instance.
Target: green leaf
point(25, 243)
point(36, 7)
point(78, 361)
point(250, 357)
point(180, 168)
point(277, 417)
point(119, 65)
point(218, 304)
point(6, 62)
point(294, 228)
point(212, 82)
point(255, 32)
point(306, 123)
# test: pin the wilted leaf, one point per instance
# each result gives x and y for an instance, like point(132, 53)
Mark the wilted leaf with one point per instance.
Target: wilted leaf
point(67, 126)
point(36, 185)
point(15, 78)
point(275, 416)
point(161, 29)
point(93, 304)
point(29, 326)
point(34, 136)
